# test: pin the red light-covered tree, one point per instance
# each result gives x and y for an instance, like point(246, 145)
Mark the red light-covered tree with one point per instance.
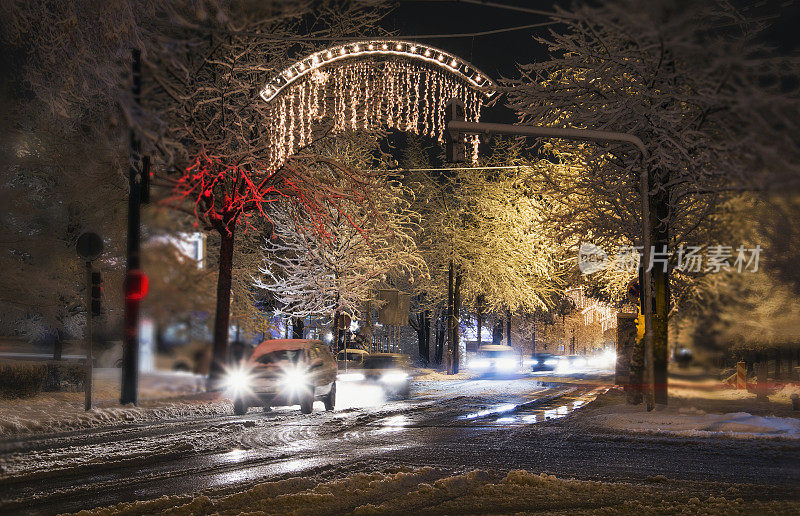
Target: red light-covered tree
point(215, 155)
point(200, 115)
point(224, 197)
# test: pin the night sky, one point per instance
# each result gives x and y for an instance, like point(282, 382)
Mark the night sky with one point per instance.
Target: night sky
point(498, 54)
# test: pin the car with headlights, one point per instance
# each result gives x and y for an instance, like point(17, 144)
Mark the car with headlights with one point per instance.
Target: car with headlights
point(543, 362)
point(495, 359)
point(351, 358)
point(284, 372)
point(392, 371)
point(572, 364)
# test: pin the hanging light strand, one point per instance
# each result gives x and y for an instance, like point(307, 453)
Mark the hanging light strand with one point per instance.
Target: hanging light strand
point(393, 93)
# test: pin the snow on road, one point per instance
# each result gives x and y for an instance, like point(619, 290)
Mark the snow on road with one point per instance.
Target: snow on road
point(452, 425)
point(116, 436)
point(432, 491)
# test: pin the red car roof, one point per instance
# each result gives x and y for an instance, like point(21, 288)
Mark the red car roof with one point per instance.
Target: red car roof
point(268, 346)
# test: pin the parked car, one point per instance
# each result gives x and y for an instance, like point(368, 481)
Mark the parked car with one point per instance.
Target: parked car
point(543, 362)
point(351, 359)
point(284, 372)
point(495, 359)
point(392, 371)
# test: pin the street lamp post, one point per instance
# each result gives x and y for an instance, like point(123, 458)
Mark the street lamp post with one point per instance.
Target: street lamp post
point(456, 128)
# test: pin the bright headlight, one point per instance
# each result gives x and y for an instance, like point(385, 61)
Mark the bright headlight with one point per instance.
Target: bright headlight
point(506, 364)
point(530, 361)
point(480, 363)
point(394, 377)
point(551, 361)
point(294, 378)
point(351, 377)
point(238, 381)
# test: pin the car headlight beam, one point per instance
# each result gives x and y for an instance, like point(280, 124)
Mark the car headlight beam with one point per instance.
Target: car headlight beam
point(238, 381)
point(506, 364)
point(351, 377)
point(480, 364)
point(394, 377)
point(294, 379)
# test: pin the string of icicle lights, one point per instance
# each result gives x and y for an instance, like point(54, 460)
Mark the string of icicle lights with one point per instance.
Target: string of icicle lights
point(400, 90)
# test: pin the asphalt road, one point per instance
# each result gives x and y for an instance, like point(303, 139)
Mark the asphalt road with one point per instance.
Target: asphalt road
point(456, 426)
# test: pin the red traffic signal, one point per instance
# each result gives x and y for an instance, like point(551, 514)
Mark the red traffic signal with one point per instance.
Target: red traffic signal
point(136, 285)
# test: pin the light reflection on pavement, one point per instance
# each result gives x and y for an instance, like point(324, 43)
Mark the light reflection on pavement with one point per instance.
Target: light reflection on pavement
point(241, 450)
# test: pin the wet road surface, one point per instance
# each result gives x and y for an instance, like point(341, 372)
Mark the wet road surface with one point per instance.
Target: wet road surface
point(454, 425)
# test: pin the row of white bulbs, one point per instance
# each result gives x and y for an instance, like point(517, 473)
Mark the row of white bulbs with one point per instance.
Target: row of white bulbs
point(408, 50)
point(362, 95)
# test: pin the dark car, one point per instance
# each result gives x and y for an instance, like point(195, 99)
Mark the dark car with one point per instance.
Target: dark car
point(544, 362)
point(392, 371)
point(683, 357)
point(495, 359)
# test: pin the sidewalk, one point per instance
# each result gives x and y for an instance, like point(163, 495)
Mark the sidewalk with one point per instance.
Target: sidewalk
point(162, 395)
point(698, 407)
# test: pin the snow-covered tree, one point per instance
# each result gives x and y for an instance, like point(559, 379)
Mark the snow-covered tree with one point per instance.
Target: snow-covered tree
point(54, 184)
point(206, 91)
point(715, 106)
point(486, 225)
point(316, 273)
point(200, 115)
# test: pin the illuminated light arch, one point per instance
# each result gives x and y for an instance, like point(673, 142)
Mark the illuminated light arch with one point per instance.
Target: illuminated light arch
point(424, 53)
point(366, 85)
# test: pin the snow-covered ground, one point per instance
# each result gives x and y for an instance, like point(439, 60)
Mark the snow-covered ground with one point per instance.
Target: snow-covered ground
point(284, 461)
point(699, 409)
point(432, 491)
point(697, 423)
point(166, 395)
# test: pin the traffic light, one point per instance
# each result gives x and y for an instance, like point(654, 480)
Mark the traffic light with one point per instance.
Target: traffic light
point(136, 285)
point(455, 147)
point(97, 294)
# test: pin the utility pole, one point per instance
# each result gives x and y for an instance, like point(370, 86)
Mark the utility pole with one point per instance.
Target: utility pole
point(87, 383)
point(450, 317)
point(572, 344)
point(90, 247)
point(457, 128)
point(508, 327)
point(130, 348)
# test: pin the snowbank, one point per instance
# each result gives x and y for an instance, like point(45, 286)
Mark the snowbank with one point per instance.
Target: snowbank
point(694, 412)
point(696, 423)
point(431, 491)
point(163, 396)
point(434, 375)
point(785, 393)
point(53, 415)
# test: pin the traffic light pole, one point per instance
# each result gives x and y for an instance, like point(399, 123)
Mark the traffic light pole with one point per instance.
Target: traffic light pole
point(130, 349)
point(87, 383)
point(457, 128)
